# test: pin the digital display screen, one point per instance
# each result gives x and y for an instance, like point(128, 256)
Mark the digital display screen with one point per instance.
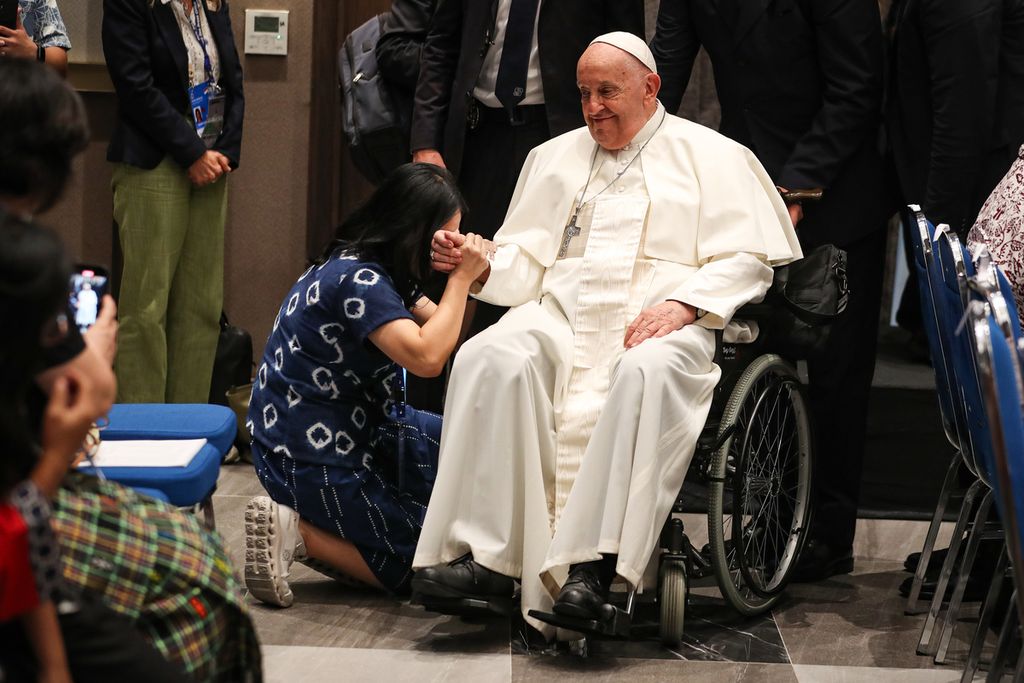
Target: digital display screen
point(266, 24)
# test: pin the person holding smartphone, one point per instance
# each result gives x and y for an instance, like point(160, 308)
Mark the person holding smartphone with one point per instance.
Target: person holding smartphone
point(34, 30)
point(177, 138)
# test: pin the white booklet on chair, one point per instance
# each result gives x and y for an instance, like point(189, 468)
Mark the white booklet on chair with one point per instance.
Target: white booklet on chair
point(146, 453)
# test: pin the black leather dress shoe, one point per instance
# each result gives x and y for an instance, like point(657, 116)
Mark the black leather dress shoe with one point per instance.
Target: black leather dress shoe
point(934, 562)
point(585, 591)
point(819, 561)
point(462, 578)
point(974, 591)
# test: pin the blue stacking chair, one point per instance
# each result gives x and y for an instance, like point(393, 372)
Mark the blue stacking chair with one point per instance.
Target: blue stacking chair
point(999, 352)
point(950, 402)
point(951, 285)
point(191, 486)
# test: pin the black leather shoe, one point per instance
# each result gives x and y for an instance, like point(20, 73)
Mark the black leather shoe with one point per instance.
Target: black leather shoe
point(974, 591)
point(934, 562)
point(819, 561)
point(585, 591)
point(462, 578)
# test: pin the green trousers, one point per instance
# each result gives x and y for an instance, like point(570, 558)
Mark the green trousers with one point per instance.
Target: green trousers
point(172, 286)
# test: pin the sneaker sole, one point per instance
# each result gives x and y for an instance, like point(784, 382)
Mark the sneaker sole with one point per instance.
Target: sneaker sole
point(261, 576)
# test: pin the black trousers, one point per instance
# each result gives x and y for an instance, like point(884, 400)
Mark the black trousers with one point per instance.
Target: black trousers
point(840, 384)
point(493, 156)
point(101, 646)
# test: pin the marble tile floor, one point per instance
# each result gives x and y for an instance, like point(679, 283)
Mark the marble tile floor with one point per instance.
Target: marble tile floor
point(848, 629)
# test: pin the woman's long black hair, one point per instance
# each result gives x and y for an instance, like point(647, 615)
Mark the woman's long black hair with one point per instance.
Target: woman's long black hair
point(34, 273)
point(395, 225)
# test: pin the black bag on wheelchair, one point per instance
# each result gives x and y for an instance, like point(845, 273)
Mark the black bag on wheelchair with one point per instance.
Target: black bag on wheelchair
point(806, 296)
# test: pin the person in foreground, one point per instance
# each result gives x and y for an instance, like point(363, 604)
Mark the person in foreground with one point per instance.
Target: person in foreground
point(327, 413)
point(142, 590)
point(627, 244)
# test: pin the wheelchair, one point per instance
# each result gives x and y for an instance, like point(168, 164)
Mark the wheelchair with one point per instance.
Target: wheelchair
point(753, 461)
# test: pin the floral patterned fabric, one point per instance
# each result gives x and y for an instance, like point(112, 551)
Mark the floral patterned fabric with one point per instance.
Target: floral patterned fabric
point(44, 24)
point(1000, 227)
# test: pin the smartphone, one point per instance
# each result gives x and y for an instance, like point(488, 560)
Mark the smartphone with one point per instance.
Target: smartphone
point(88, 286)
point(9, 13)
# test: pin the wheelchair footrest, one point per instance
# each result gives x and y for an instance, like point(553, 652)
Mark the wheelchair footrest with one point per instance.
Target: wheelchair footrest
point(466, 607)
point(614, 622)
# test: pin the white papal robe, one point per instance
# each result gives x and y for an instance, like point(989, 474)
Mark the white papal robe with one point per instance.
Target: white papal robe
point(558, 444)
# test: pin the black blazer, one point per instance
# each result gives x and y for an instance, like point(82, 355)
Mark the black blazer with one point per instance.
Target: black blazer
point(148, 64)
point(454, 55)
point(401, 41)
point(800, 84)
point(956, 103)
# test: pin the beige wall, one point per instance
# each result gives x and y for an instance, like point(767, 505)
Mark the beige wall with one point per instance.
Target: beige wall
point(266, 230)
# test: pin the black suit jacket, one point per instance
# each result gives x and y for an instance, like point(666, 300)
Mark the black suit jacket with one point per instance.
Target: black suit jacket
point(401, 42)
point(800, 84)
point(148, 64)
point(454, 54)
point(956, 102)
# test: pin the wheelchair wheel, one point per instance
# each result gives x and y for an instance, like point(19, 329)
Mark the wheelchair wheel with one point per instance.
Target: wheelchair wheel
point(672, 602)
point(759, 504)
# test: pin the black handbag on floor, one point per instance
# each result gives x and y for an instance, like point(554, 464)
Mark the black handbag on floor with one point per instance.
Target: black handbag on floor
point(806, 296)
point(233, 364)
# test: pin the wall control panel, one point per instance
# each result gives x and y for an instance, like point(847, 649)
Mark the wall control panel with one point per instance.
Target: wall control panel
point(266, 32)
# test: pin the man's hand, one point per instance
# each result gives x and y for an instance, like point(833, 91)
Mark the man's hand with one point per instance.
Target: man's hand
point(206, 169)
point(657, 321)
point(444, 250)
point(796, 213)
point(428, 156)
point(15, 42)
point(102, 336)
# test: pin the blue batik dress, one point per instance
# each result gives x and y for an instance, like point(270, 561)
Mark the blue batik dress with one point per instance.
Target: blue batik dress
point(324, 417)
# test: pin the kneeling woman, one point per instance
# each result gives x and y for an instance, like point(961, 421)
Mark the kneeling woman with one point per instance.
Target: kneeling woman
point(324, 419)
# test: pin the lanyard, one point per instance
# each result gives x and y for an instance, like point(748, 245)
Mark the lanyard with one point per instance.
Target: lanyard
point(197, 29)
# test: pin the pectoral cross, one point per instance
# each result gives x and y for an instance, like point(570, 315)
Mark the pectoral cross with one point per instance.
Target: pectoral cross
point(571, 230)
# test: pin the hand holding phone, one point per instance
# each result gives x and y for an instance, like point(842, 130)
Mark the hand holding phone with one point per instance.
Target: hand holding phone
point(88, 287)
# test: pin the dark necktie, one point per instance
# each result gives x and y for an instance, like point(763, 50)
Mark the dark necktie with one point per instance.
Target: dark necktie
point(510, 86)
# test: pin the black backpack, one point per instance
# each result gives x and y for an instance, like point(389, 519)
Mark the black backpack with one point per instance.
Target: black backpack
point(375, 123)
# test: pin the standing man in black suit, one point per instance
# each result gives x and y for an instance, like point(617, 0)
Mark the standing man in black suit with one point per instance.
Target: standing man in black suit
point(956, 105)
point(498, 78)
point(800, 84)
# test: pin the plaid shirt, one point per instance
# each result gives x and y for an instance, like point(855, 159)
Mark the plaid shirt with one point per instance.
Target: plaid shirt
point(163, 569)
point(43, 23)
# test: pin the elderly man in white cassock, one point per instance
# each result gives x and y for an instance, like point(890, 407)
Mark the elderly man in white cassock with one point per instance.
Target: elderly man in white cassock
point(569, 425)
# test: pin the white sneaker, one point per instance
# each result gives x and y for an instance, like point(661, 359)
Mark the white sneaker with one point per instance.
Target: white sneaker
point(272, 542)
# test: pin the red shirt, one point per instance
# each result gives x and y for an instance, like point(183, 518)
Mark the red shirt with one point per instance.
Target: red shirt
point(18, 591)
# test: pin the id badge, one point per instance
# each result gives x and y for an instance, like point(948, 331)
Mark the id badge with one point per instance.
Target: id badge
point(208, 103)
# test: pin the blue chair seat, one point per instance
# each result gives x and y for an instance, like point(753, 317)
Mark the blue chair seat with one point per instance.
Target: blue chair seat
point(152, 493)
point(181, 486)
point(164, 421)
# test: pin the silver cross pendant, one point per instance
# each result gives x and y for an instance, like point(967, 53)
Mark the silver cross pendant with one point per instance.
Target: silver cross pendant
point(571, 230)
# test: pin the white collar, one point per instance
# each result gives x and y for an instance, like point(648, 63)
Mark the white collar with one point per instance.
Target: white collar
point(647, 131)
